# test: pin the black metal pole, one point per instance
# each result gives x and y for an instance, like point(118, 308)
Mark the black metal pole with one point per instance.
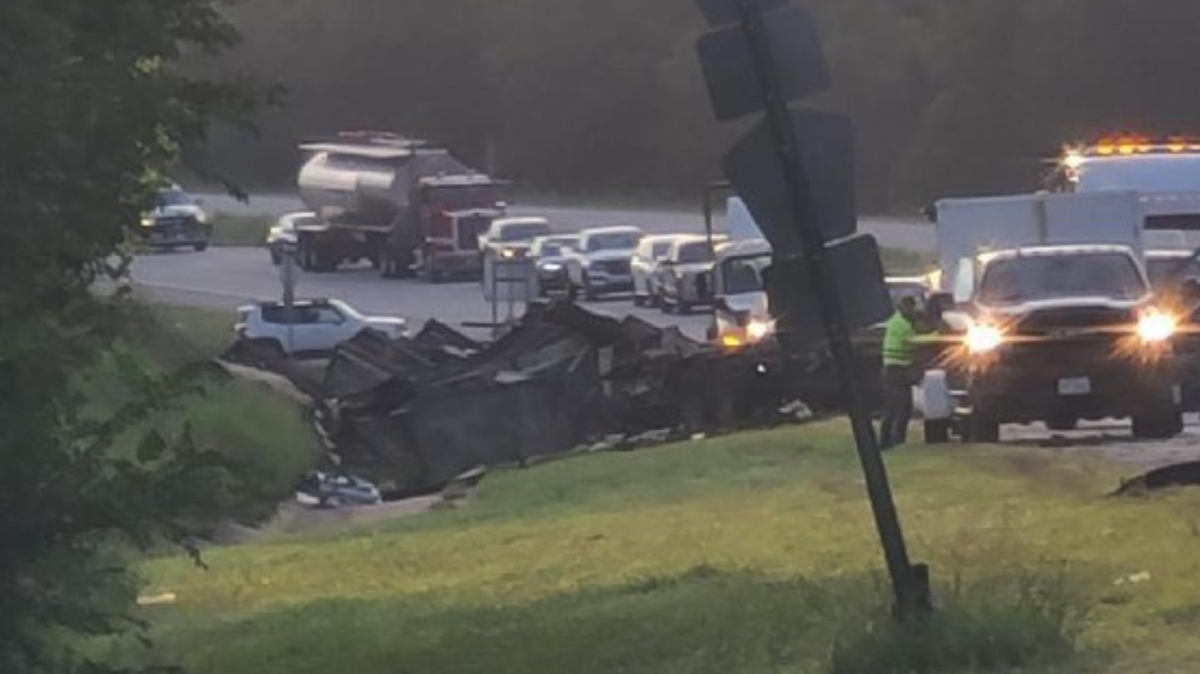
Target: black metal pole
point(911, 593)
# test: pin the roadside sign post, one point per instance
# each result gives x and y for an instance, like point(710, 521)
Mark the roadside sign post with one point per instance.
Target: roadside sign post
point(794, 170)
point(287, 278)
point(509, 281)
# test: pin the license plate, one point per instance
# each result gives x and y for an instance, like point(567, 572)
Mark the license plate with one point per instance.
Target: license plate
point(1075, 386)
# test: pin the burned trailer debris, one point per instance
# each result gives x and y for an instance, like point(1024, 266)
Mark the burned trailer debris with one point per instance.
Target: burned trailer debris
point(414, 413)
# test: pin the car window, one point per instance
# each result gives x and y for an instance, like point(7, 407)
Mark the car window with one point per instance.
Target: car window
point(302, 315)
point(167, 198)
point(329, 316)
point(744, 274)
point(524, 232)
point(1025, 279)
point(660, 249)
point(612, 241)
point(694, 253)
point(1166, 272)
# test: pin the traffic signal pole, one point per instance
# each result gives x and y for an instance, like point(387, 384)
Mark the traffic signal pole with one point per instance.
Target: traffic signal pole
point(910, 584)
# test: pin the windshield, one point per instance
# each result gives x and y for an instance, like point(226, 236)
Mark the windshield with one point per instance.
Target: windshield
point(1044, 277)
point(551, 249)
point(613, 241)
point(167, 198)
point(524, 232)
point(465, 197)
point(1154, 173)
point(694, 253)
point(744, 274)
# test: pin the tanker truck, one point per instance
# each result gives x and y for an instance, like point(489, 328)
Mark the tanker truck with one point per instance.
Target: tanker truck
point(397, 202)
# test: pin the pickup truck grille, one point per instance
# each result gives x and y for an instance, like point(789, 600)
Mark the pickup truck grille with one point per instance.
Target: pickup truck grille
point(615, 267)
point(469, 231)
point(1051, 321)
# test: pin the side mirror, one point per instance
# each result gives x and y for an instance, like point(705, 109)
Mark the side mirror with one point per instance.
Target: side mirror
point(721, 305)
point(942, 301)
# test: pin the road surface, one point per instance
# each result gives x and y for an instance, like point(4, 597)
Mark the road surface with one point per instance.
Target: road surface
point(910, 234)
point(228, 277)
point(224, 278)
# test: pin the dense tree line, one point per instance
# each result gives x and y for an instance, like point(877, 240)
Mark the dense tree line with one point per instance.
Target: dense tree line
point(94, 112)
point(565, 95)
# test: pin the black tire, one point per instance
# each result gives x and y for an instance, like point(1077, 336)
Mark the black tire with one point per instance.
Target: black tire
point(684, 308)
point(306, 255)
point(276, 258)
point(985, 428)
point(201, 247)
point(589, 293)
point(1161, 424)
point(638, 300)
point(666, 307)
point(937, 431)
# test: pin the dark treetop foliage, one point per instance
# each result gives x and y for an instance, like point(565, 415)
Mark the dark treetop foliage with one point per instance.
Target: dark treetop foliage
point(92, 111)
point(950, 96)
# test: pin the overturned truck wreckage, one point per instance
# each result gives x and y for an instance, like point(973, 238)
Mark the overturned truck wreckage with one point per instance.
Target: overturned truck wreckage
point(417, 412)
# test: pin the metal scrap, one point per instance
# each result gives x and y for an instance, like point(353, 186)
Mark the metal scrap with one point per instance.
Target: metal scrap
point(417, 412)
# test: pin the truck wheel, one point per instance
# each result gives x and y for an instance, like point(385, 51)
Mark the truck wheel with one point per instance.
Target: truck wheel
point(937, 431)
point(323, 260)
point(1158, 425)
point(985, 428)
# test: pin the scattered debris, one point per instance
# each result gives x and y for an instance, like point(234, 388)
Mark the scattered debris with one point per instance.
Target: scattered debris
point(1178, 475)
point(1134, 579)
point(323, 490)
point(157, 599)
point(420, 412)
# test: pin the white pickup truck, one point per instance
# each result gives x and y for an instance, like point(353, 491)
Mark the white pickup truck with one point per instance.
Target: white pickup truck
point(1052, 317)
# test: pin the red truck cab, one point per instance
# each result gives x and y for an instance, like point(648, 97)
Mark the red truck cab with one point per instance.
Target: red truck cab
point(455, 212)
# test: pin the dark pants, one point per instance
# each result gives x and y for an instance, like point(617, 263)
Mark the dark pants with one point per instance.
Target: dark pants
point(897, 405)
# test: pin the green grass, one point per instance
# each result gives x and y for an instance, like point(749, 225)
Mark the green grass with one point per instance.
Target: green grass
point(240, 231)
point(748, 554)
point(264, 435)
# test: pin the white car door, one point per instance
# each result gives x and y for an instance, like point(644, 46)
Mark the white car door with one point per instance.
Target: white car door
point(332, 328)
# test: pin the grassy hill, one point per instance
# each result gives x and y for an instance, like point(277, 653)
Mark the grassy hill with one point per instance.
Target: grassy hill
point(753, 553)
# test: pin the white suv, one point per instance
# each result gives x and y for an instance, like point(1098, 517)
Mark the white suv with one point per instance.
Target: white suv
point(644, 267)
point(317, 326)
point(601, 262)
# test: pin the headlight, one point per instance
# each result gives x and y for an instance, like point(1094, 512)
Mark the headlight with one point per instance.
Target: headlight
point(508, 253)
point(758, 330)
point(147, 221)
point(983, 338)
point(1156, 327)
point(552, 266)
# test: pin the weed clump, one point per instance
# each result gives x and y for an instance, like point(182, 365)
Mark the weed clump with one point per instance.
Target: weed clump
point(1022, 620)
